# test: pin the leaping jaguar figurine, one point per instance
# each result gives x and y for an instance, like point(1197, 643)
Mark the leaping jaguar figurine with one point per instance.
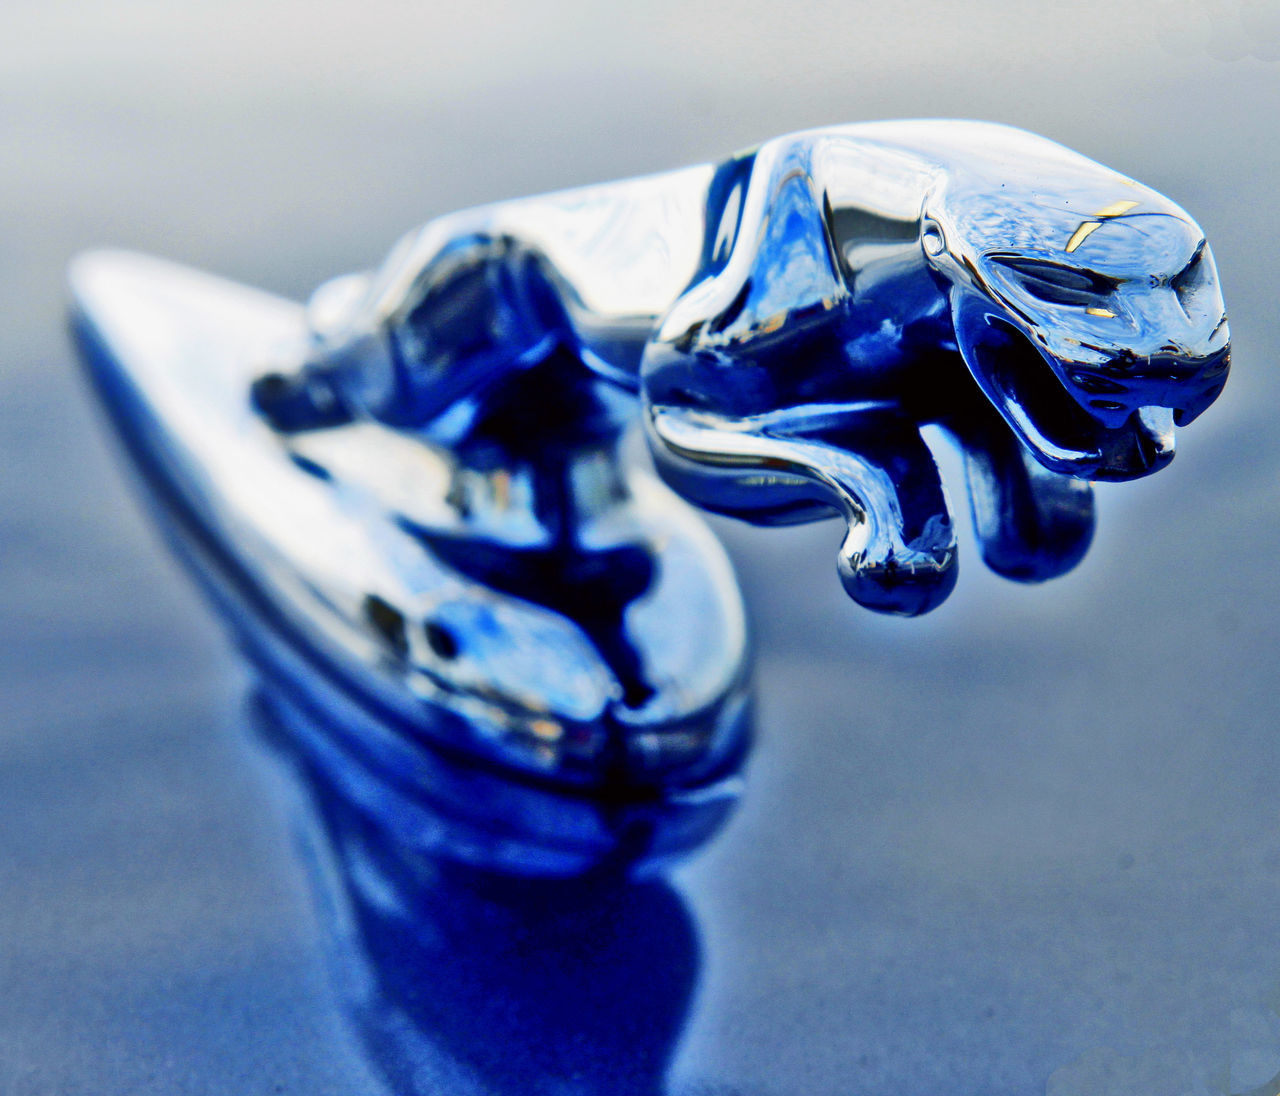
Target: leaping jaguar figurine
point(420, 476)
point(789, 319)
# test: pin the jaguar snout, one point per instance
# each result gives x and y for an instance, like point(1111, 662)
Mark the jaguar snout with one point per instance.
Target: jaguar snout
point(1205, 387)
point(1183, 382)
point(1144, 445)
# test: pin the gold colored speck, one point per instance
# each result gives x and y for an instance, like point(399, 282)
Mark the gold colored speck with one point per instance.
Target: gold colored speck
point(1115, 209)
point(1105, 312)
point(1081, 234)
point(502, 489)
point(546, 729)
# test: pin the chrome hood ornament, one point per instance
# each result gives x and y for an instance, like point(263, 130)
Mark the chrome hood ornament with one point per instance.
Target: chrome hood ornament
point(415, 487)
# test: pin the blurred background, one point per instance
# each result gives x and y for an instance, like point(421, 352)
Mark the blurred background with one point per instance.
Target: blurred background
point(1029, 842)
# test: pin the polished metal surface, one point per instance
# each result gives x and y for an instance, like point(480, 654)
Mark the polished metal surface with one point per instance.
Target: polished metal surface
point(790, 317)
point(1024, 845)
point(861, 272)
point(432, 604)
point(412, 498)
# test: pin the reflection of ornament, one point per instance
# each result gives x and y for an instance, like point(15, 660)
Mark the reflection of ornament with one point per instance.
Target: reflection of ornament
point(414, 489)
point(460, 979)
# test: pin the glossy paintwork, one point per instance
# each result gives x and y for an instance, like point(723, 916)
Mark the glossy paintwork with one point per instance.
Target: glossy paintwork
point(1025, 844)
point(449, 738)
point(457, 978)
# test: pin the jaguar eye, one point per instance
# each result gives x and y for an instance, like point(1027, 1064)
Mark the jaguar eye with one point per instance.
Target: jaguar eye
point(1056, 284)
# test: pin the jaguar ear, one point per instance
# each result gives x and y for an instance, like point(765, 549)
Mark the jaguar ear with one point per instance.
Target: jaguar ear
point(932, 238)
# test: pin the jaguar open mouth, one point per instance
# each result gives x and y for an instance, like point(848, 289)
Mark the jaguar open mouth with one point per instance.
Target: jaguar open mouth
point(1063, 435)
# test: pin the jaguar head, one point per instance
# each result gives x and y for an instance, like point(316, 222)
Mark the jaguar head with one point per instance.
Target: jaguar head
point(1093, 321)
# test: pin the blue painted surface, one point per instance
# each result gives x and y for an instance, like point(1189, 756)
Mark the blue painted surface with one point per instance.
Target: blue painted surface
point(1028, 842)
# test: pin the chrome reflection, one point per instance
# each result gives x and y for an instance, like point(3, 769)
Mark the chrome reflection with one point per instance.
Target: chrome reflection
point(463, 980)
point(791, 316)
point(418, 484)
point(542, 607)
